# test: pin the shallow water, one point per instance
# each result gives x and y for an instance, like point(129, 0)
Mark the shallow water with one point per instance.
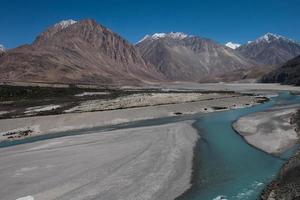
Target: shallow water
point(224, 165)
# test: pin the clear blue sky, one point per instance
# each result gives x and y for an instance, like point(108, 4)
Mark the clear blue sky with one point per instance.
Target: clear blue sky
point(221, 20)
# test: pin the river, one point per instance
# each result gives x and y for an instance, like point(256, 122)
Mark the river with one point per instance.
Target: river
point(225, 166)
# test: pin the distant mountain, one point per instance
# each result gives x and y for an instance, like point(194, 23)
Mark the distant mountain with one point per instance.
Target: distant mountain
point(289, 73)
point(270, 49)
point(176, 35)
point(2, 48)
point(77, 52)
point(181, 57)
point(232, 45)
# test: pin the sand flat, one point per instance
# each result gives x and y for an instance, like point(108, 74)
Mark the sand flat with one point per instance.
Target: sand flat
point(137, 163)
point(270, 131)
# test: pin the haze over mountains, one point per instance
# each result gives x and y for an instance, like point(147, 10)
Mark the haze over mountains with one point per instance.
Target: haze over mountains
point(87, 52)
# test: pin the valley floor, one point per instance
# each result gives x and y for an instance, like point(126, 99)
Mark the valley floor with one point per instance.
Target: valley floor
point(137, 163)
point(19, 128)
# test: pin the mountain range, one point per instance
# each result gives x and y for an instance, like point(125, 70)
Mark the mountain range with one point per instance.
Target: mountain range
point(189, 58)
point(86, 52)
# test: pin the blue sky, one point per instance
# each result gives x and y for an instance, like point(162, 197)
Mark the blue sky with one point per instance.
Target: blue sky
point(220, 20)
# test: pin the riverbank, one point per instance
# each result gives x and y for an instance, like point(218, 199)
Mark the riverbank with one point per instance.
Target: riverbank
point(137, 163)
point(287, 184)
point(271, 131)
point(39, 125)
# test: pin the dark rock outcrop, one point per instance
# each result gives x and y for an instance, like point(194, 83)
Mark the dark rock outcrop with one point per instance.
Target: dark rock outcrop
point(289, 73)
point(287, 184)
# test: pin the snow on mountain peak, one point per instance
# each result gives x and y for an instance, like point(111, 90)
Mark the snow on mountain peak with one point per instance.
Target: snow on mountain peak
point(232, 45)
point(65, 23)
point(174, 35)
point(2, 47)
point(269, 37)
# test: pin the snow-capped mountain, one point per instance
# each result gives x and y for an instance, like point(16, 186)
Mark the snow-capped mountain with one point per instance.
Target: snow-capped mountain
point(232, 45)
point(2, 48)
point(190, 58)
point(174, 35)
point(270, 49)
point(65, 23)
point(51, 31)
point(271, 37)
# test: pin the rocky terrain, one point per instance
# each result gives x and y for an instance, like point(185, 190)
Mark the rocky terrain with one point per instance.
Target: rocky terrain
point(287, 184)
point(77, 52)
point(270, 49)
point(190, 58)
point(289, 73)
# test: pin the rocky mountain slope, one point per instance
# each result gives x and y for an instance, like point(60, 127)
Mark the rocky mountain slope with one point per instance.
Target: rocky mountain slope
point(270, 49)
point(289, 73)
point(189, 58)
point(77, 52)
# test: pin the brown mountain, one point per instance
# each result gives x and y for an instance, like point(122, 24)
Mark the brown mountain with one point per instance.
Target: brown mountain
point(189, 58)
point(289, 73)
point(270, 49)
point(77, 52)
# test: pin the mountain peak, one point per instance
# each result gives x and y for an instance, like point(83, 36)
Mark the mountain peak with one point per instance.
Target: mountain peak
point(65, 23)
point(270, 49)
point(174, 35)
point(78, 52)
point(232, 45)
point(2, 48)
point(270, 37)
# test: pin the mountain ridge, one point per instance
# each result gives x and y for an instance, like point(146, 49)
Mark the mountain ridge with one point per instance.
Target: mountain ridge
point(86, 52)
point(270, 49)
point(82, 52)
point(189, 57)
